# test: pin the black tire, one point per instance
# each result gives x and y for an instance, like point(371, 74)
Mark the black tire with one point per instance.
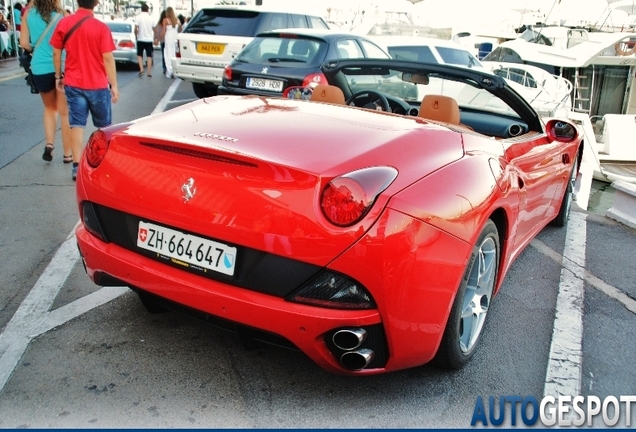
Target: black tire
point(150, 303)
point(202, 90)
point(465, 327)
point(566, 202)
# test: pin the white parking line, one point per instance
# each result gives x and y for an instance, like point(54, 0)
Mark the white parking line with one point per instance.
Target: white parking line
point(609, 290)
point(163, 103)
point(563, 375)
point(33, 316)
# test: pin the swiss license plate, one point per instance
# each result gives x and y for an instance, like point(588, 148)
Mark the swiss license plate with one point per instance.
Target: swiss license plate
point(187, 250)
point(264, 84)
point(210, 48)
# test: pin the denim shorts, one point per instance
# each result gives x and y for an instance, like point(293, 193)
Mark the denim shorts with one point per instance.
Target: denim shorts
point(81, 102)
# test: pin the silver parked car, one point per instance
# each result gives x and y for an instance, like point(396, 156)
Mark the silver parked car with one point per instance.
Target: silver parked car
point(125, 41)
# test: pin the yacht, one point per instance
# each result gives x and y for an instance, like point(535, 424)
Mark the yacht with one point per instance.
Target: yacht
point(601, 68)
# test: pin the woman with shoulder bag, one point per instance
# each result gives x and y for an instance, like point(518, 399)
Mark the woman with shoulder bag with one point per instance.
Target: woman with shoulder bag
point(37, 27)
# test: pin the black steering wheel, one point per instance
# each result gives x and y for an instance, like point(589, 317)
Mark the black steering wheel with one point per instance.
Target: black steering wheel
point(380, 102)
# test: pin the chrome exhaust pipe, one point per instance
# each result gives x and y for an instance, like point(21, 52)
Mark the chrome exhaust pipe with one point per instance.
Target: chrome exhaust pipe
point(357, 360)
point(349, 339)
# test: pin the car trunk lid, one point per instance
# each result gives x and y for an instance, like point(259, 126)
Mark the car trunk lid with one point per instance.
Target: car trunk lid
point(256, 172)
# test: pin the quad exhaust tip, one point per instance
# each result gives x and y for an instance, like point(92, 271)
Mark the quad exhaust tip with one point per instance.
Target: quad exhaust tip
point(349, 339)
point(357, 360)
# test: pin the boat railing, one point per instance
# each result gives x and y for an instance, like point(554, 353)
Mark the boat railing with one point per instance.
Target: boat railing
point(549, 94)
point(557, 101)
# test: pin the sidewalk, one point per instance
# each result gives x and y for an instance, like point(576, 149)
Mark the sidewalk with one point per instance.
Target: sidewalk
point(10, 68)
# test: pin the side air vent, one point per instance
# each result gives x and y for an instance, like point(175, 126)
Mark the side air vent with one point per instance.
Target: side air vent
point(515, 130)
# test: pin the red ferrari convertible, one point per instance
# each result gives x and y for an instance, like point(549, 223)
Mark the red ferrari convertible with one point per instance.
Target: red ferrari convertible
point(368, 222)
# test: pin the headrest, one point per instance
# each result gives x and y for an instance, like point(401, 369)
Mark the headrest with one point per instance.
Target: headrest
point(440, 108)
point(328, 93)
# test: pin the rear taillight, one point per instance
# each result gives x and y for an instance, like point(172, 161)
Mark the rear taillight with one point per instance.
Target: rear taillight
point(88, 215)
point(126, 44)
point(178, 50)
point(96, 148)
point(333, 290)
point(227, 73)
point(314, 79)
point(346, 199)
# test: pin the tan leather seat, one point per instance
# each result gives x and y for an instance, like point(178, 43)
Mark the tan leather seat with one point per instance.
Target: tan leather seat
point(327, 93)
point(440, 108)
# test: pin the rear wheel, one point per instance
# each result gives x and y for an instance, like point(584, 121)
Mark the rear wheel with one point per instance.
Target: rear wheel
point(566, 202)
point(204, 90)
point(472, 302)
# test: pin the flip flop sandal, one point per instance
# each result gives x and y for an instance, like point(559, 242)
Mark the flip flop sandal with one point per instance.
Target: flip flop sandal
point(48, 152)
point(67, 159)
point(141, 73)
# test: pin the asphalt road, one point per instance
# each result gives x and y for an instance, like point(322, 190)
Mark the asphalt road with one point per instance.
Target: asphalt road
point(76, 355)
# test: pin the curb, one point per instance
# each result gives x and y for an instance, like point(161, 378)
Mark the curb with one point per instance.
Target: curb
point(624, 207)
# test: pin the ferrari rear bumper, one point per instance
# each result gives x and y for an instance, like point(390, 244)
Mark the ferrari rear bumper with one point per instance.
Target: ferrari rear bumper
point(306, 327)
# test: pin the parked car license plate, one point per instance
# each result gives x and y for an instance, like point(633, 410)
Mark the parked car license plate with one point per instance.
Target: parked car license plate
point(186, 249)
point(264, 84)
point(210, 48)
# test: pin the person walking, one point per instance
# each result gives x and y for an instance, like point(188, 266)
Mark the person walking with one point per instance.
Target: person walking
point(37, 28)
point(17, 15)
point(171, 27)
point(159, 38)
point(144, 26)
point(88, 73)
point(25, 9)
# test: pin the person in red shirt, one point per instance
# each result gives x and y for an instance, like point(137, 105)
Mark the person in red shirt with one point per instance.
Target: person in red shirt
point(90, 78)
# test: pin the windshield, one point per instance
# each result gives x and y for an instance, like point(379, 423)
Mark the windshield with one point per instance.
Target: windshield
point(116, 27)
point(423, 53)
point(413, 87)
point(458, 57)
point(224, 22)
point(273, 49)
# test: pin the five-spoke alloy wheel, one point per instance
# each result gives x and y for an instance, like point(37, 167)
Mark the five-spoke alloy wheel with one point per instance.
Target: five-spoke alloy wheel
point(472, 302)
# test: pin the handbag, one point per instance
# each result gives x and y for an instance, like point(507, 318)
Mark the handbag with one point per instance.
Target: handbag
point(25, 58)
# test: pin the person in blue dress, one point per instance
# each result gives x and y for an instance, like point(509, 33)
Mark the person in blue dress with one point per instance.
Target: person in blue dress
point(35, 22)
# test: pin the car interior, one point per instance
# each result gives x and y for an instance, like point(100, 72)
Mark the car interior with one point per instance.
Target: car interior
point(435, 107)
point(467, 100)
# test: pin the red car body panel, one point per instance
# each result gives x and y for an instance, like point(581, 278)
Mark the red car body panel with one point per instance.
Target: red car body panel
point(409, 251)
point(244, 215)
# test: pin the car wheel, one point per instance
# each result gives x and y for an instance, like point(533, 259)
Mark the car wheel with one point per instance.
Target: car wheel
point(472, 302)
point(566, 203)
point(203, 91)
